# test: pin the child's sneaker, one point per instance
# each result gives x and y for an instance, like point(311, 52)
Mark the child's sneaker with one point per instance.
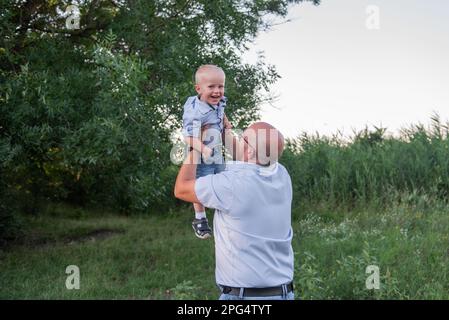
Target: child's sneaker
point(201, 228)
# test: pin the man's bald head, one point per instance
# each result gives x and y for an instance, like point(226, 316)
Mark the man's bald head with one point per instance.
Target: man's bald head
point(266, 140)
point(208, 70)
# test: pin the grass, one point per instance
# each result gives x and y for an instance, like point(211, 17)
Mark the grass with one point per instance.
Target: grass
point(140, 258)
point(158, 257)
point(374, 199)
point(408, 244)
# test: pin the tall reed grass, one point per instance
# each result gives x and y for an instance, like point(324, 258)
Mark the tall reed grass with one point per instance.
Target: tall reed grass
point(370, 167)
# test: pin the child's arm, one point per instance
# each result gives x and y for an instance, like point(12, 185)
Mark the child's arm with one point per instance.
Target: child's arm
point(191, 123)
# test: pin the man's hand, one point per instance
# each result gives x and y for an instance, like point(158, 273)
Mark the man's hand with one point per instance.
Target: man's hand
point(226, 123)
point(185, 182)
point(206, 152)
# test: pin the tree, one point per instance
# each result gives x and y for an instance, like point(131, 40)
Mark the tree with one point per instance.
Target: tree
point(86, 114)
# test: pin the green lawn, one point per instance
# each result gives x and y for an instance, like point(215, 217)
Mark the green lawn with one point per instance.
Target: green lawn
point(158, 256)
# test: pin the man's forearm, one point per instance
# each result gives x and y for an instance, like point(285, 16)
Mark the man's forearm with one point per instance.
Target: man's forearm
point(188, 168)
point(185, 181)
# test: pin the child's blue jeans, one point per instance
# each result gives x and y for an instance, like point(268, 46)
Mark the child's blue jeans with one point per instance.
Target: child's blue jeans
point(204, 169)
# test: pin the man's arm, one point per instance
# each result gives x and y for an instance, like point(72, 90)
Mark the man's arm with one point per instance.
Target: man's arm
point(232, 143)
point(226, 123)
point(185, 182)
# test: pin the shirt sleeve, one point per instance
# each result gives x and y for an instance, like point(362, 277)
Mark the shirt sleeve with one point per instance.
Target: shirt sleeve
point(223, 102)
point(215, 191)
point(191, 120)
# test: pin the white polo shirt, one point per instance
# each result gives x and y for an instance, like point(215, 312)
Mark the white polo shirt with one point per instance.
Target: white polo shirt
point(252, 224)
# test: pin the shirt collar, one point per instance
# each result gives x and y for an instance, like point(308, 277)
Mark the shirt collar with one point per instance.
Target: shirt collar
point(268, 171)
point(205, 103)
point(261, 170)
point(222, 102)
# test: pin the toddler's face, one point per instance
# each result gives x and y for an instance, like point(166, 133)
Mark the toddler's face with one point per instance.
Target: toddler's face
point(210, 86)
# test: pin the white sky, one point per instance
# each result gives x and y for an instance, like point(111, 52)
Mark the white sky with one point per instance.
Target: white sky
point(339, 75)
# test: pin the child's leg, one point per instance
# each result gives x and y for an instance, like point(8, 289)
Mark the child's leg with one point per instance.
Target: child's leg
point(200, 224)
point(200, 211)
point(201, 171)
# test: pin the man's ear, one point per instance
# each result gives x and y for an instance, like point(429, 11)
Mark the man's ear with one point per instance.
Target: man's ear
point(198, 89)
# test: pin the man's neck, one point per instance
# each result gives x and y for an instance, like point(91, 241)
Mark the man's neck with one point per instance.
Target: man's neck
point(254, 161)
point(246, 160)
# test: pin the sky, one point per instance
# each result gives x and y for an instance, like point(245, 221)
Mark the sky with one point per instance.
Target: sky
point(346, 64)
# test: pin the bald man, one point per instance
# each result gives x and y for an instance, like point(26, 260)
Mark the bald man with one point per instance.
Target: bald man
point(252, 222)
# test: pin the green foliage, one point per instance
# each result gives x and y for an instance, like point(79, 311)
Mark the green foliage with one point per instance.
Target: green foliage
point(371, 167)
point(185, 290)
point(86, 114)
point(407, 244)
point(10, 224)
